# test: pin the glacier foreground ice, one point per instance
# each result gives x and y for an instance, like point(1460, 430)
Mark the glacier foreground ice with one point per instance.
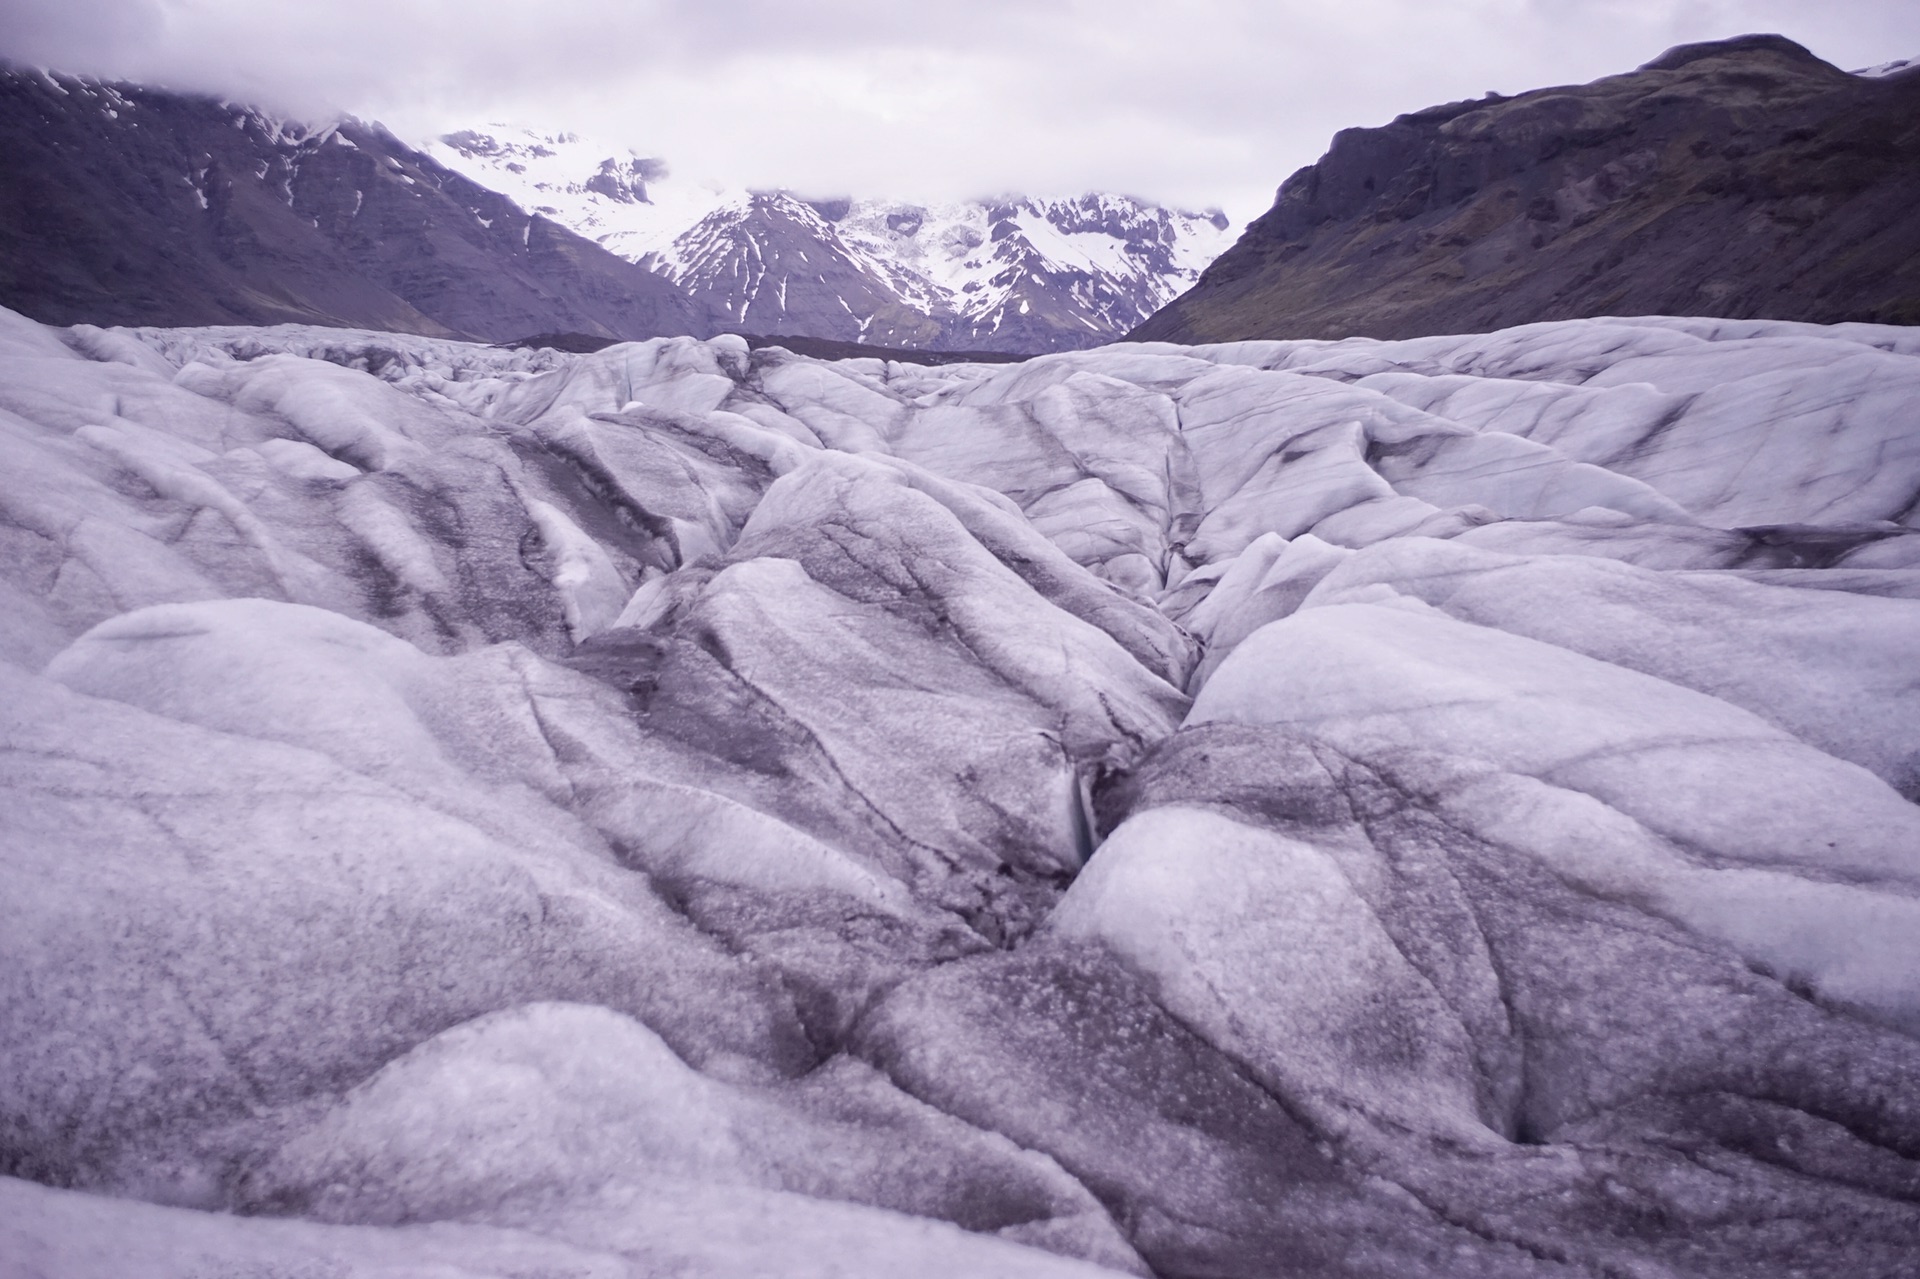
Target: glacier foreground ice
point(1443, 807)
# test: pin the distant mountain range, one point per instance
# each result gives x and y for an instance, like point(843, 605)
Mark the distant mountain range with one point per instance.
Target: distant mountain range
point(121, 204)
point(1017, 273)
point(1744, 178)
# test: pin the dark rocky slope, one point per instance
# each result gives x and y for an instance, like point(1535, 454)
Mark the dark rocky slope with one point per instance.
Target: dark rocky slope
point(1744, 178)
point(128, 205)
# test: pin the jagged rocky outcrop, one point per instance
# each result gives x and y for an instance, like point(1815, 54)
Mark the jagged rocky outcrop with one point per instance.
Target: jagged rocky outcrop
point(1432, 808)
point(1744, 178)
point(121, 204)
point(1014, 274)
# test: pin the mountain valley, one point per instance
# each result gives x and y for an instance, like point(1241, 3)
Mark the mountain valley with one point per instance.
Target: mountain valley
point(503, 776)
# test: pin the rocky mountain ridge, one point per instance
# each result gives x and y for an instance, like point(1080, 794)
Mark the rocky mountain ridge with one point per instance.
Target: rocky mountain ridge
point(1742, 178)
point(1014, 273)
point(130, 205)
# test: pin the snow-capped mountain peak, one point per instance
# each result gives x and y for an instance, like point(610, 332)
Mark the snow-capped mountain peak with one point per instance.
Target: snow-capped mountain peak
point(1013, 272)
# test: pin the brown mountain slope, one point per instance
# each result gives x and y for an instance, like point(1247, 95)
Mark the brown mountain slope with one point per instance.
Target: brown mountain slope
point(1744, 178)
point(128, 205)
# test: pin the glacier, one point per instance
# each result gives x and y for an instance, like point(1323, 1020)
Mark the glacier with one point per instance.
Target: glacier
point(1435, 807)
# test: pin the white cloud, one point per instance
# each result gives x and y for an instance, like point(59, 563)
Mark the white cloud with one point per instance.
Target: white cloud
point(1209, 101)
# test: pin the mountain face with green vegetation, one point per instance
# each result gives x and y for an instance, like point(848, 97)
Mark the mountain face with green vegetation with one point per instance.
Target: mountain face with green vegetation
point(1744, 178)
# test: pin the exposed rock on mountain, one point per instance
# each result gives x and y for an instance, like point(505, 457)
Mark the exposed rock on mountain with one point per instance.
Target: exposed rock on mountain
point(744, 259)
point(1745, 178)
point(1414, 809)
point(129, 205)
point(1017, 274)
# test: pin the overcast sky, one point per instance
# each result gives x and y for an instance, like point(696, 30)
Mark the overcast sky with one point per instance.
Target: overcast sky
point(1204, 102)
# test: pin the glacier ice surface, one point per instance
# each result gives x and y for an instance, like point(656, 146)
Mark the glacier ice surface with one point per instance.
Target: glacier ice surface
point(1442, 807)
